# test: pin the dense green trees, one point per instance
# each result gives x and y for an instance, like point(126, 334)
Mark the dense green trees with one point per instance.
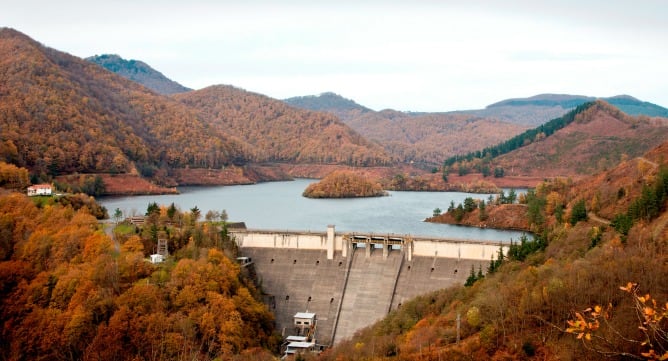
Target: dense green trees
point(528, 136)
point(578, 212)
point(648, 206)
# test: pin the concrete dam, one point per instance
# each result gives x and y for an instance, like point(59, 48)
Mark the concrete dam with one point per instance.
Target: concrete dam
point(352, 280)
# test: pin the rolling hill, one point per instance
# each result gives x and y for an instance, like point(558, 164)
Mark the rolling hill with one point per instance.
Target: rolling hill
point(428, 138)
point(592, 138)
point(139, 72)
point(598, 139)
point(424, 139)
point(330, 102)
point(431, 137)
point(538, 109)
point(278, 132)
point(61, 114)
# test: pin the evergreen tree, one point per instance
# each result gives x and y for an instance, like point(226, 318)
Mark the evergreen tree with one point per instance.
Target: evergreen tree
point(459, 213)
point(171, 211)
point(469, 204)
point(512, 196)
point(470, 280)
point(118, 214)
point(579, 212)
point(483, 211)
point(152, 208)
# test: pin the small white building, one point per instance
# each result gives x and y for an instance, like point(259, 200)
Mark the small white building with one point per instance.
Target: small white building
point(244, 261)
point(304, 319)
point(298, 347)
point(304, 341)
point(157, 258)
point(39, 190)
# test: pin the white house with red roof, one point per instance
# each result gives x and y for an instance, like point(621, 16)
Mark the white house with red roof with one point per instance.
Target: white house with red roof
point(39, 190)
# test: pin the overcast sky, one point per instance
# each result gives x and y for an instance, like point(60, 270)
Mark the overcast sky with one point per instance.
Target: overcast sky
point(404, 55)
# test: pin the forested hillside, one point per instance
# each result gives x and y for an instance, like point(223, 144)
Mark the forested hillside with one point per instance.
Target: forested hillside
point(592, 138)
point(430, 138)
point(61, 114)
point(68, 292)
point(590, 286)
point(278, 132)
point(424, 139)
point(598, 139)
point(328, 102)
point(139, 72)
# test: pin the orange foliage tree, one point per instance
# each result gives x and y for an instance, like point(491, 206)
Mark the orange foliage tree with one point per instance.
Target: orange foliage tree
point(68, 292)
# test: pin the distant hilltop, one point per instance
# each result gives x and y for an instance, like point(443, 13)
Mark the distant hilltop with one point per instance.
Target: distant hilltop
point(330, 102)
point(531, 111)
point(538, 109)
point(139, 72)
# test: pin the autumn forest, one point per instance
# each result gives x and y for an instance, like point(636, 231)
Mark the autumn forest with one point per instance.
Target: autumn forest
point(587, 282)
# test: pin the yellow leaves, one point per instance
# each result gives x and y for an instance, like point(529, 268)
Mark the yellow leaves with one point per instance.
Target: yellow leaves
point(99, 304)
point(95, 245)
point(652, 355)
point(215, 256)
point(585, 323)
point(133, 244)
point(651, 325)
point(629, 287)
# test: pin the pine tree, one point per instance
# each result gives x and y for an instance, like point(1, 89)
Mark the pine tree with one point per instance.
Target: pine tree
point(470, 280)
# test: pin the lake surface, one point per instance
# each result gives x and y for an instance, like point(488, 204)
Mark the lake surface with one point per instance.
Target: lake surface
point(280, 206)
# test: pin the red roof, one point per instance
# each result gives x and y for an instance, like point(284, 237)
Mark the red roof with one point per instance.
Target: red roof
point(40, 186)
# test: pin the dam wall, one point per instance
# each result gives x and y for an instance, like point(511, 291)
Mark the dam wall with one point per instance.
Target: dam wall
point(298, 280)
point(351, 280)
point(332, 242)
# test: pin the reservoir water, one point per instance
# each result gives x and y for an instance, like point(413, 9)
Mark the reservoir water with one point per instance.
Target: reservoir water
point(281, 206)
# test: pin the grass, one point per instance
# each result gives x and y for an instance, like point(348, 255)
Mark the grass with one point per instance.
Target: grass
point(124, 229)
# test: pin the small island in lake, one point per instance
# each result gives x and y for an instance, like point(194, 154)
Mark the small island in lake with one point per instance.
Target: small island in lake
point(344, 184)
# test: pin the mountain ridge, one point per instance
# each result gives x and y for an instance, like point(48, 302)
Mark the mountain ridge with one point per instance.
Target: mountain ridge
point(139, 72)
point(528, 111)
point(278, 132)
point(64, 115)
point(325, 101)
point(592, 138)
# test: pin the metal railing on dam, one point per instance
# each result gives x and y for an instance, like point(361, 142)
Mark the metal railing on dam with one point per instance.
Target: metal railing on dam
point(332, 242)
